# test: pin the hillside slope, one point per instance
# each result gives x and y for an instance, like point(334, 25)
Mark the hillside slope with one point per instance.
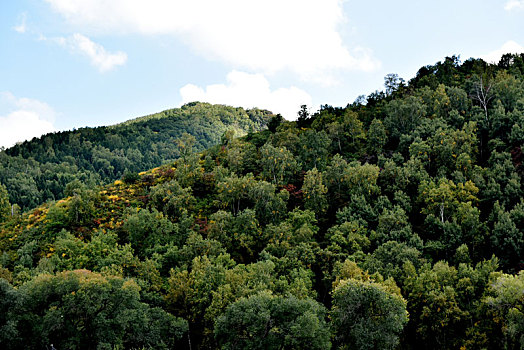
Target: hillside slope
point(398, 223)
point(38, 170)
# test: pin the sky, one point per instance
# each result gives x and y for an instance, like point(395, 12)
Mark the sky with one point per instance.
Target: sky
point(67, 64)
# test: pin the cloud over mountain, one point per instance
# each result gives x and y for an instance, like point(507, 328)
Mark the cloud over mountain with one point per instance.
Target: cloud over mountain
point(301, 36)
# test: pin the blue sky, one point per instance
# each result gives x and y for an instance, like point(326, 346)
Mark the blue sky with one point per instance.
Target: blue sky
point(71, 63)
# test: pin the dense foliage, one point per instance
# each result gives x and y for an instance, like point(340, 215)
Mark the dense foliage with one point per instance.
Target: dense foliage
point(395, 222)
point(39, 170)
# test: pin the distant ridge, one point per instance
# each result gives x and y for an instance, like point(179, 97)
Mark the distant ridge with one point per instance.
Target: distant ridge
point(38, 170)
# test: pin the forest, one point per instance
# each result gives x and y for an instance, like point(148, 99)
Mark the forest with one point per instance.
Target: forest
point(39, 170)
point(396, 222)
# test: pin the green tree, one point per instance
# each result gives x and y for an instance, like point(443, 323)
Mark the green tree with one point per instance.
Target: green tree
point(313, 149)
point(367, 315)
point(303, 116)
point(264, 321)
point(5, 207)
point(335, 132)
point(347, 238)
point(376, 137)
point(292, 243)
point(278, 164)
point(171, 199)
point(315, 192)
point(146, 229)
point(100, 253)
point(394, 225)
point(436, 101)
point(353, 133)
point(81, 207)
point(241, 156)
point(508, 301)
point(392, 82)
point(274, 122)
point(502, 182)
point(270, 207)
point(434, 306)
point(233, 192)
point(84, 310)
point(190, 292)
point(240, 235)
point(508, 89)
point(403, 115)
point(362, 179)
point(506, 238)
point(483, 92)
point(334, 177)
point(391, 259)
point(9, 334)
point(444, 199)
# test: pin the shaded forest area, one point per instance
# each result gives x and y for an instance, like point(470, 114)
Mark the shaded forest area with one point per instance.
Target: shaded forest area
point(395, 222)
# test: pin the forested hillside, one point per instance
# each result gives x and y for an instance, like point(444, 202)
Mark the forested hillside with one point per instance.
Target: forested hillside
point(39, 170)
point(395, 222)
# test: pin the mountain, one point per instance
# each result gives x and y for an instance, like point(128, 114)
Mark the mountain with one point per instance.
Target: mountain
point(394, 222)
point(39, 170)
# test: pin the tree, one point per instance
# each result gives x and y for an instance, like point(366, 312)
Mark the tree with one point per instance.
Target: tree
point(81, 207)
point(390, 260)
point(335, 132)
point(334, 176)
point(265, 321)
point(274, 122)
point(362, 179)
point(434, 306)
point(185, 145)
point(366, 315)
point(171, 199)
point(503, 183)
point(508, 301)
point(483, 92)
point(5, 207)
point(393, 225)
point(444, 199)
point(303, 115)
point(404, 115)
point(436, 101)
point(313, 149)
point(233, 191)
point(240, 234)
point(81, 309)
point(508, 89)
point(392, 83)
point(506, 238)
point(377, 137)
point(146, 229)
point(9, 335)
point(292, 242)
point(102, 252)
point(347, 238)
point(278, 164)
point(270, 207)
point(314, 192)
point(241, 156)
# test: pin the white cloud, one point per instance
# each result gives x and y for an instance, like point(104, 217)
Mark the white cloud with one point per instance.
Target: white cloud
point(508, 47)
point(248, 91)
point(97, 54)
point(23, 118)
point(21, 28)
point(514, 4)
point(301, 36)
